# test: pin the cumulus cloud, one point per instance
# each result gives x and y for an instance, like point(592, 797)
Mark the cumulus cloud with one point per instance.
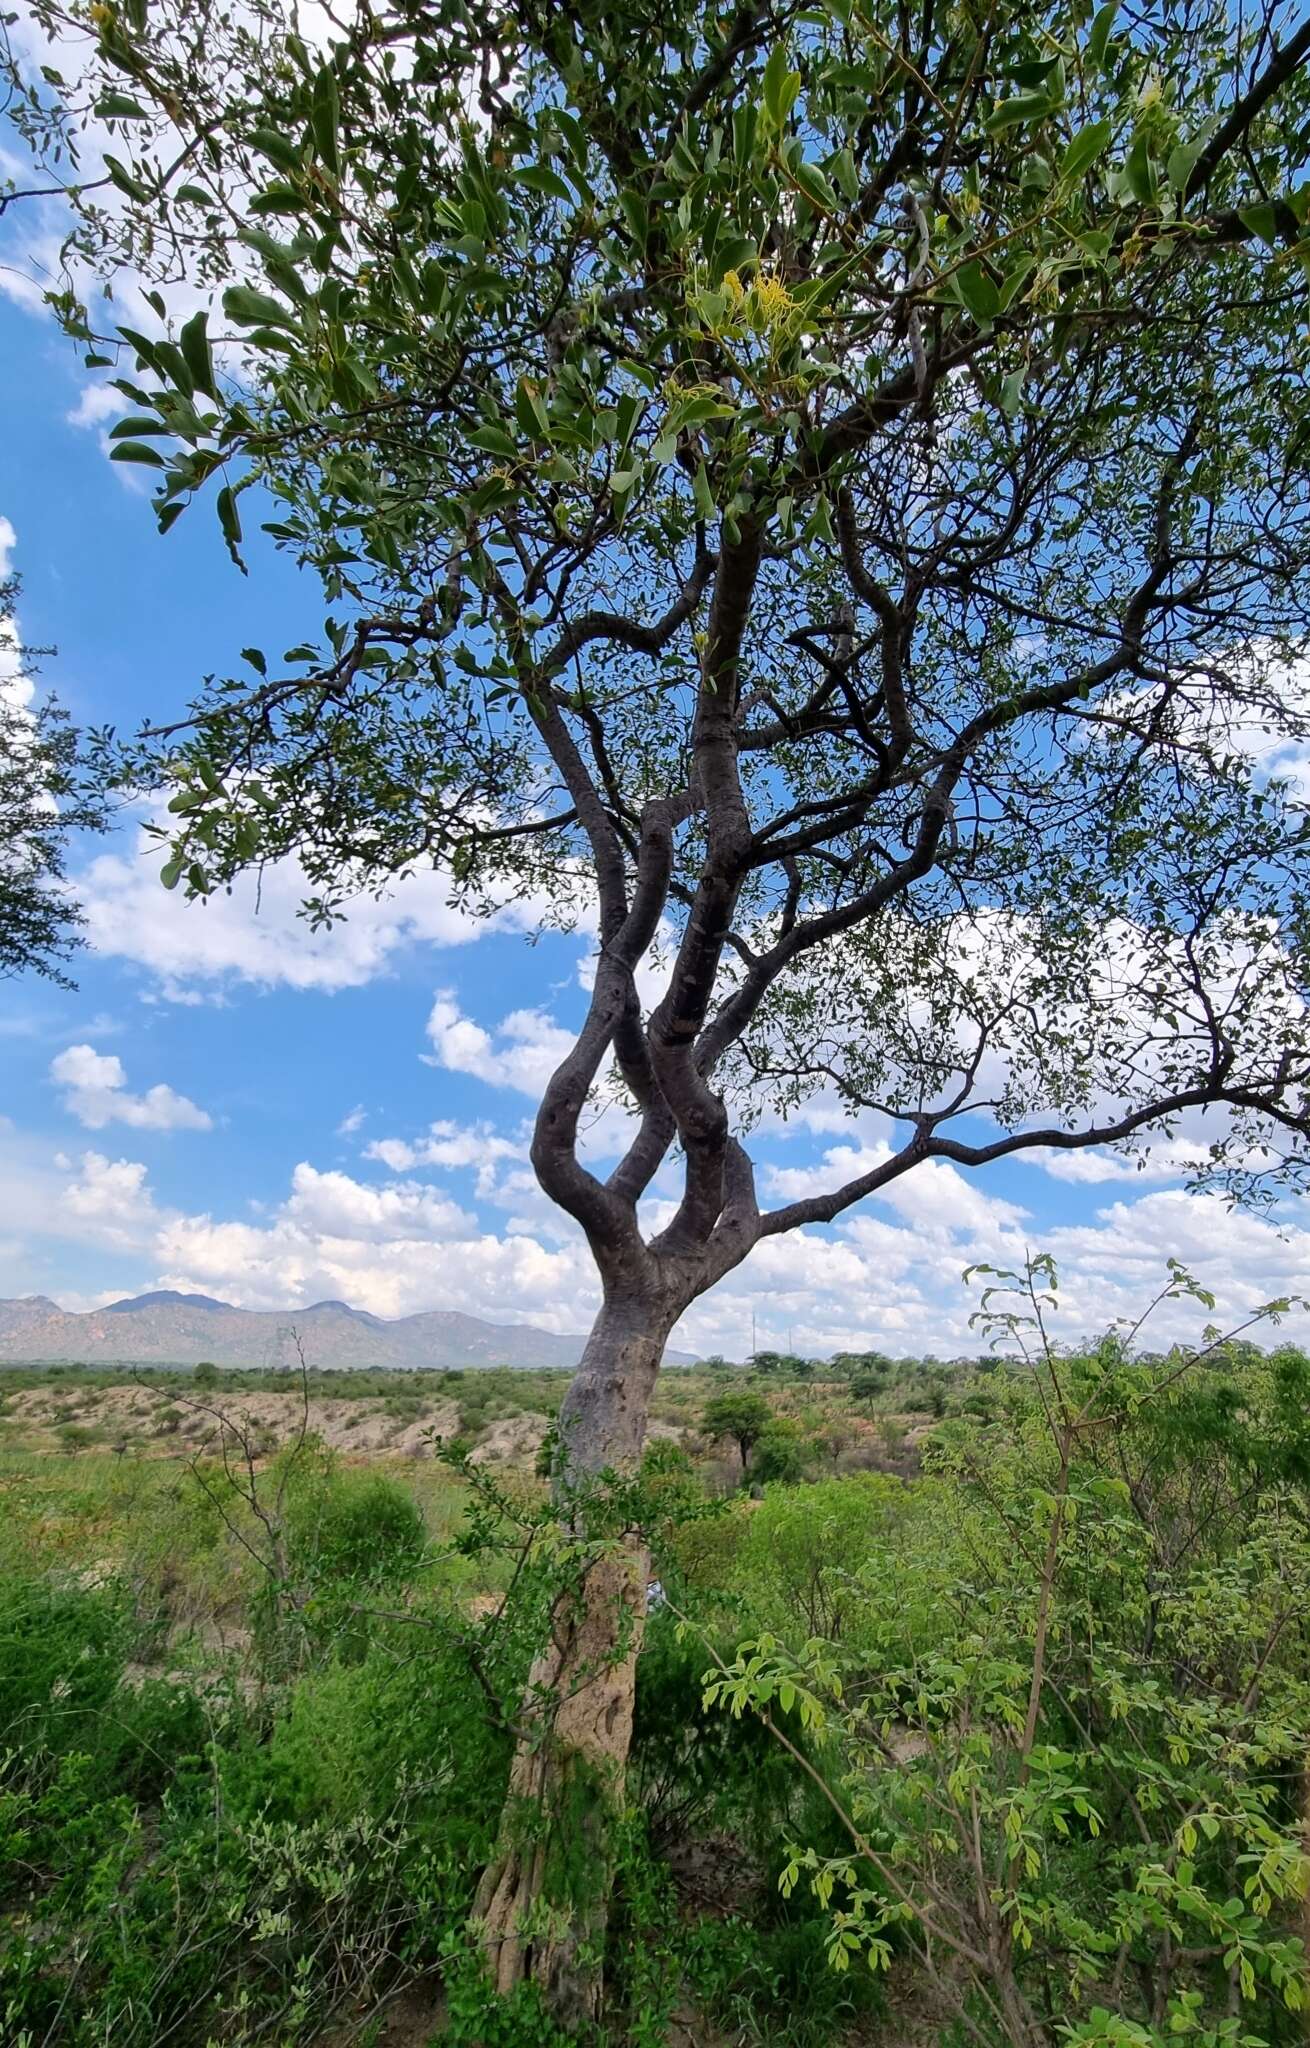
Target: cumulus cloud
point(16, 689)
point(255, 933)
point(96, 404)
point(455, 1147)
point(522, 1052)
point(110, 1201)
point(1163, 1159)
point(96, 1093)
point(889, 1276)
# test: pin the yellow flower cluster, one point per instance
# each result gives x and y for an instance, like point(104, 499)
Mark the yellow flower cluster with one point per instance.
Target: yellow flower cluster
point(765, 305)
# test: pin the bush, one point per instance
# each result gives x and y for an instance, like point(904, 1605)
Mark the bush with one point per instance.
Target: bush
point(779, 1455)
point(223, 1871)
point(357, 1526)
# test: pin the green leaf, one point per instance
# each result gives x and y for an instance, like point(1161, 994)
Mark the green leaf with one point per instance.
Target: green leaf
point(229, 520)
point(137, 451)
point(194, 344)
point(171, 872)
point(977, 292)
point(780, 86)
point(1098, 40)
point(119, 106)
point(120, 175)
point(277, 147)
point(815, 187)
point(1181, 164)
point(530, 412)
point(136, 424)
point(704, 496)
point(1086, 146)
point(256, 659)
point(819, 525)
point(1139, 170)
point(254, 309)
point(325, 117)
point(279, 199)
point(1262, 221)
point(494, 441)
point(1022, 108)
point(540, 178)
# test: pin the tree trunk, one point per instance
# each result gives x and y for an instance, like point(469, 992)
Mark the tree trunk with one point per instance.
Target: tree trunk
point(542, 1906)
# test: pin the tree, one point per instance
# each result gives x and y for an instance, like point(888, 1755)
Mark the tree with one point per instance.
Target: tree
point(822, 495)
point(782, 1365)
point(45, 798)
point(740, 1415)
point(867, 1385)
point(779, 1452)
point(853, 1362)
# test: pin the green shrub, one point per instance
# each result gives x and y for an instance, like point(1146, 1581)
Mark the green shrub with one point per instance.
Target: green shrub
point(359, 1526)
point(771, 1983)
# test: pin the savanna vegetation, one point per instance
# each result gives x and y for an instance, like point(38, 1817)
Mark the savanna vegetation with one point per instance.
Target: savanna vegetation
point(818, 495)
point(1001, 1739)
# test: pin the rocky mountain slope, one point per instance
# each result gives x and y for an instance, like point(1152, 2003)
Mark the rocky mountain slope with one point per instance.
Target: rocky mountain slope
point(163, 1328)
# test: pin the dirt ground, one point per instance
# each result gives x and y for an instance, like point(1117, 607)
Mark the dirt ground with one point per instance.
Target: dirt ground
point(175, 1421)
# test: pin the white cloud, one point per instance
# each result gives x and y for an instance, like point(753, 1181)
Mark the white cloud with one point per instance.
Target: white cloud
point(352, 1122)
point(334, 1205)
point(522, 1053)
point(889, 1276)
point(255, 933)
point(455, 1147)
point(16, 689)
point(96, 404)
point(97, 1094)
point(110, 1201)
point(1166, 1159)
point(839, 1163)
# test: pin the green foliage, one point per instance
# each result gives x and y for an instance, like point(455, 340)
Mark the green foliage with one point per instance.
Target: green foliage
point(47, 797)
point(768, 1983)
point(353, 1525)
point(1065, 1721)
point(234, 1847)
point(745, 322)
point(740, 1415)
point(780, 1453)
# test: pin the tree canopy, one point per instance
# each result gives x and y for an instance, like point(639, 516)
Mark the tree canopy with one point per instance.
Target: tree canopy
point(45, 798)
point(829, 498)
point(741, 1415)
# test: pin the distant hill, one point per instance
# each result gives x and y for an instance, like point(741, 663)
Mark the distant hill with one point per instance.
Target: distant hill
point(163, 1328)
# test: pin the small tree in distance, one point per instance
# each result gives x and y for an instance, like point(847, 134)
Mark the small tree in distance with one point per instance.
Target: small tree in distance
point(819, 494)
point(868, 1385)
point(740, 1415)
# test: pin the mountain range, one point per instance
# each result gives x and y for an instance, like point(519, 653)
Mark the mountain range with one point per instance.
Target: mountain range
point(164, 1328)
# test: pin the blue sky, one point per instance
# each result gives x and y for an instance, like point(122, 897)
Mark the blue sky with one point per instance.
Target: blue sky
point(231, 1103)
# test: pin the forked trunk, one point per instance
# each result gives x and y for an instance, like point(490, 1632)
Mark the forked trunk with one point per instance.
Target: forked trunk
point(542, 1906)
